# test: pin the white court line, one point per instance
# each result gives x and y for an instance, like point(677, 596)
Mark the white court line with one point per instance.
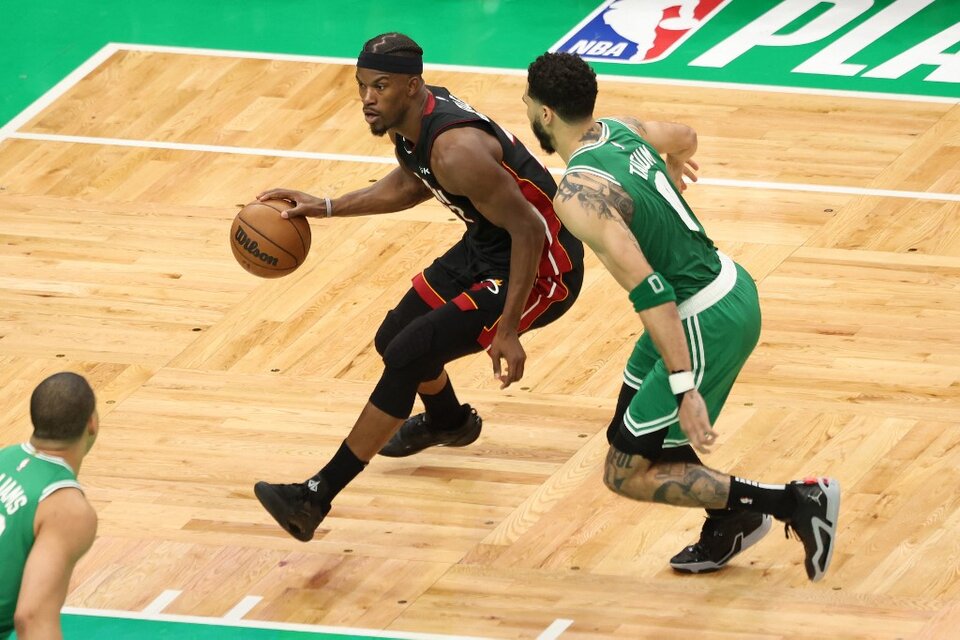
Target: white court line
point(58, 90)
point(826, 188)
point(161, 601)
point(257, 55)
point(555, 629)
point(109, 49)
point(10, 129)
point(256, 624)
point(242, 608)
point(390, 160)
point(206, 148)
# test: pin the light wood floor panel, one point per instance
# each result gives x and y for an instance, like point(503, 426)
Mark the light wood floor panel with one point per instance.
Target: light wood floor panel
point(300, 105)
point(116, 264)
point(707, 606)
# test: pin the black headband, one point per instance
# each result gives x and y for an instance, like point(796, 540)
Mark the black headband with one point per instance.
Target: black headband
point(390, 64)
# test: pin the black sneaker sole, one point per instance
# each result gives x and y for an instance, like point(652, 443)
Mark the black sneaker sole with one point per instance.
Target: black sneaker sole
point(277, 507)
point(709, 566)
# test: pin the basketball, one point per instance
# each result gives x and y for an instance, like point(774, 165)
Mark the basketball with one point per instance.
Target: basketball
point(267, 245)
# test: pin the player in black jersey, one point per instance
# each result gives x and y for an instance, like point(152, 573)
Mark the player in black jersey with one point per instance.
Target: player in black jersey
point(515, 268)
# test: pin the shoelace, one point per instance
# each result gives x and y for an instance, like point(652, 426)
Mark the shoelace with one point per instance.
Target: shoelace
point(424, 420)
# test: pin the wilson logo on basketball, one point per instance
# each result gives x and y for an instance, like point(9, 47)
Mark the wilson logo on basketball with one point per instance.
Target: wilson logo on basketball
point(253, 248)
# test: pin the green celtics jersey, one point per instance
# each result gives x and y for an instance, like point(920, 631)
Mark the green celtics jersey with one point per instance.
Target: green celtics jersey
point(26, 477)
point(670, 236)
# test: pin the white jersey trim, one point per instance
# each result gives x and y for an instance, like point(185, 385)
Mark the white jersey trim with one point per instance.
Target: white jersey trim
point(622, 123)
point(699, 363)
point(32, 450)
point(56, 486)
point(593, 171)
point(713, 292)
point(631, 380)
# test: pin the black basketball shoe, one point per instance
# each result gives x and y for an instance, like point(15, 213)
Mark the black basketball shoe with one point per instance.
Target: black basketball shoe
point(298, 508)
point(721, 539)
point(417, 434)
point(814, 521)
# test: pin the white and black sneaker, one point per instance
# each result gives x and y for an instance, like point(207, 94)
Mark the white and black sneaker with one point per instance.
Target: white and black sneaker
point(722, 538)
point(814, 521)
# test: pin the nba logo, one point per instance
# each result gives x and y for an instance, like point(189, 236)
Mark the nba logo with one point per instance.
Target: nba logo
point(637, 31)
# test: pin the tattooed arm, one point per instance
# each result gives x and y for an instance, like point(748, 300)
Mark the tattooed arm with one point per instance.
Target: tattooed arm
point(598, 212)
point(665, 137)
point(675, 142)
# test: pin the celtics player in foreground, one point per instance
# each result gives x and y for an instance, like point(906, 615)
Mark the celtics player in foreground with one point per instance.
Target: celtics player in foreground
point(46, 524)
point(620, 195)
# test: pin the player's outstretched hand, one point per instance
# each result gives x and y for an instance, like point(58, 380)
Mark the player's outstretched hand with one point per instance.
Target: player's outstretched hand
point(681, 170)
point(695, 422)
point(304, 203)
point(506, 346)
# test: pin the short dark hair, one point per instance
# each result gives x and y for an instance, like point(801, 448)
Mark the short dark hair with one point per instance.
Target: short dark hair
point(61, 406)
point(565, 83)
point(393, 44)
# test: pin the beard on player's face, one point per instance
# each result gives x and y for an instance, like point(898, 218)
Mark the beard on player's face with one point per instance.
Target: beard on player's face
point(546, 143)
point(382, 125)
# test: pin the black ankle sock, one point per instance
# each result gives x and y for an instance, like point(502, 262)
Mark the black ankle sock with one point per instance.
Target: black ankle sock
point(444, 408)
point(343, 467)
point(765, 498)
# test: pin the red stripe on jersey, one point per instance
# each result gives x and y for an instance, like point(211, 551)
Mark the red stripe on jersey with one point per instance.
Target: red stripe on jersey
point(430, 104)
point(545, 292)
point(542, 203)
point(465, 303)
point(426, 292)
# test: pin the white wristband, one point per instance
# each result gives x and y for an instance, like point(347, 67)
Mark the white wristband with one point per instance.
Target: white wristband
point(329, 205)
point(681, 382)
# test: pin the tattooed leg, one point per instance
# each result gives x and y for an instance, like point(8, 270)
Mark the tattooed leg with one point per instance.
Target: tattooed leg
point(682, 484)
point(686, 484)
point(620, 468)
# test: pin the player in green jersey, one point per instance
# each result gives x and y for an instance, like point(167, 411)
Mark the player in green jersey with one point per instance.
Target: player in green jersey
point(620, 195)
point(46, 523)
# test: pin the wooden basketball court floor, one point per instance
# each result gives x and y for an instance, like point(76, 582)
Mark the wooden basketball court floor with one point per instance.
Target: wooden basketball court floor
point(116, 195)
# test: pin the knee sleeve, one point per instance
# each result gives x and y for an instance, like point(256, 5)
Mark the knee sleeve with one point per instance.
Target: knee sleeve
point(389, 328)
point(410, 307)
point(408, 360)
point(394, 394)
point(412, 343)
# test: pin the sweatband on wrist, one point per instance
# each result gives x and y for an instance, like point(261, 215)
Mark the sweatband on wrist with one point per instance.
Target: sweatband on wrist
point(410, 65)
point(651, 292)
point(329, 205)
point(680, 383)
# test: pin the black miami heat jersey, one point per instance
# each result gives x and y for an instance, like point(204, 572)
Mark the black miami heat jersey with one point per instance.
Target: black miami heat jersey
point(487, 245)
